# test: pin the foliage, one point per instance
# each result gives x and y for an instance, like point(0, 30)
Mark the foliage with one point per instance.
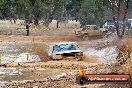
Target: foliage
point(31, 9)
point(73, 8)
point(94, 12)
point(87, 11)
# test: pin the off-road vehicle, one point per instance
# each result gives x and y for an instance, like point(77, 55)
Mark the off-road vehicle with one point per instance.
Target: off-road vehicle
point(65, 50)
point(91, 31)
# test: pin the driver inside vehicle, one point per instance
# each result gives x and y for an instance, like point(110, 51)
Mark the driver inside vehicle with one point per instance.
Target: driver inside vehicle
point(72, 47)
point(64, 47)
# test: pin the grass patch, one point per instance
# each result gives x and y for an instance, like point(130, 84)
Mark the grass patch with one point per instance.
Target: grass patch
point(33, 28)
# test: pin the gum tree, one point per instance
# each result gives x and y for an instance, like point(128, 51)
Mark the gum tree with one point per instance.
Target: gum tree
point(120, 15)
point(94, 12)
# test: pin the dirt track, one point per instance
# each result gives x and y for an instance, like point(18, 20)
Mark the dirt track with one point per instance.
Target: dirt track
point(44, 38)
point(67, 81)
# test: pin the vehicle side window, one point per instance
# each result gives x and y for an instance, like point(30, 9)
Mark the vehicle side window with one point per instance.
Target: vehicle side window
point(64, 47)
point(56, 48)
point(78, 46)
point(72, 47)
point(95, 28)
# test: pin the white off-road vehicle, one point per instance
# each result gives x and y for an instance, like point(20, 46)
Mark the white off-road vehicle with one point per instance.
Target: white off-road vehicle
point(65, 50)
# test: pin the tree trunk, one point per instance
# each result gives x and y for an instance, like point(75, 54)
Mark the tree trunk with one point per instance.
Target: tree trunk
point(118, 18)
point(14, 21)
point(47, 22)
point(125, 17)
point(116, 24)
point(76, 18)
point(116, 10)
point(11, 21)
point(36, 22)
point(57, 24)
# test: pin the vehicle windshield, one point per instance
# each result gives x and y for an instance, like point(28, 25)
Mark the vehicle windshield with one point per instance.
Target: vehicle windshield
point(64, 47)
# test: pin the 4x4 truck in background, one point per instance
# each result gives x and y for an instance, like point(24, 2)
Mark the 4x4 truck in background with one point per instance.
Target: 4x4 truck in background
point(91, 31)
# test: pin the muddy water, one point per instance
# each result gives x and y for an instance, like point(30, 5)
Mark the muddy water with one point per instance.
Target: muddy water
point(17, 52)
point(14, 48)
point(22, 52)
point(8, 75)
point(19, 74)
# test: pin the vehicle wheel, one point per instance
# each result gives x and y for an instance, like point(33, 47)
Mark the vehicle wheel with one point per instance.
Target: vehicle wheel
point(85, 37)
point(80, 80)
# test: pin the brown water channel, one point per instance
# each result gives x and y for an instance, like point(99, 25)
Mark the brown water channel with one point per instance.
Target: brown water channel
point(8, 75)
point(12, 52)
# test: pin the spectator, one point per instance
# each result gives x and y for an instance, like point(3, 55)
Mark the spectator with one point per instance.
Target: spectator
point(27, 28)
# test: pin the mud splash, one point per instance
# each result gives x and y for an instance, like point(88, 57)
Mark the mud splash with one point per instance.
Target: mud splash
point(105, 55)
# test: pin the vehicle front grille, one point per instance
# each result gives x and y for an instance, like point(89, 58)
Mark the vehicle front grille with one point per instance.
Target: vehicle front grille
point(73, 54)
point(69, 54)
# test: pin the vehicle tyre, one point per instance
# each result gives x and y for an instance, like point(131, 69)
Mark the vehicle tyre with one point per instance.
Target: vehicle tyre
point(85, 37)
point(81, 80)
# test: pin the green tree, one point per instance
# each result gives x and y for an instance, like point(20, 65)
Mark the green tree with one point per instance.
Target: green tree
point(55, 9)
point(8, 9)
point(1, 8)
point(11, 9)
point(94, 12)
point(73, 8)
point(36, 10)
point(59, 10)
point(33, 10)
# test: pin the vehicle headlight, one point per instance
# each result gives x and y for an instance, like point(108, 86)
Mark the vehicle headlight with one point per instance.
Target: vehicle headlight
point(58, 56)
point(79, 31)
point(80, 53)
